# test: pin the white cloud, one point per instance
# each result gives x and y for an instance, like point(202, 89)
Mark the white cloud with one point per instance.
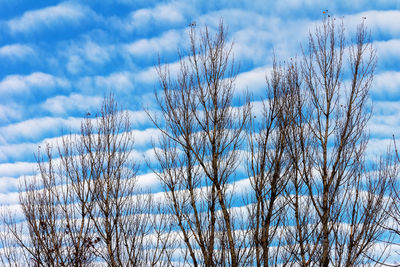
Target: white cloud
point(118, 81)
point(167, 42)
point(48, 17)
point(61, 105)
point(16, 51)
point(242, 186)
point(388, 48)
point(85, 54)
point(147, 181)
point(96, 53)
point(14, 84)
point(385, 120)
point(10, 111)
point(16, 169)
point(388, 53)
point(17, 151)
point(162, 14)
point(75, 64)
point(8, 184)
point(168, 13)
point(139, 118)
point(380, 21)
point(377, 147)
point(387, 108)
point(387, 85)
point(37, 128)
point(150, 76)
point(253, 80)
point(145, 137)
point(9, 198)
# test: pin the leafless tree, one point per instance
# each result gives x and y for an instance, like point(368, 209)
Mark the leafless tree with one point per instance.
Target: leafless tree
point(338, 199)
point(198, 153)
point(84, 207)
point(392, 163)
point(269, 169)
point(57, 231)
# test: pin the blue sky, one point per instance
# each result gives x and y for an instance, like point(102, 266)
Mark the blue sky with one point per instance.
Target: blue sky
point(59, 58)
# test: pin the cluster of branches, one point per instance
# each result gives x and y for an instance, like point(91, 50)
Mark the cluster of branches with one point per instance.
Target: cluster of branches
point(312, 197)
point(83, 207)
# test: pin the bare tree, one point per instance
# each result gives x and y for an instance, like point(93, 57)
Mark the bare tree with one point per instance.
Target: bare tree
point(57, 231)
point(269, 169)
point(338, 201)
point(84, 206)
point(391, 162)
point(198, 153)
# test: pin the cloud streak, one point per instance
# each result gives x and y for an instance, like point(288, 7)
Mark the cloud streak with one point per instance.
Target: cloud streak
point(16, 51)
point(23, 84)
point(140, 20)
point(49, 17)
point(62, 105)
point(37, 129)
